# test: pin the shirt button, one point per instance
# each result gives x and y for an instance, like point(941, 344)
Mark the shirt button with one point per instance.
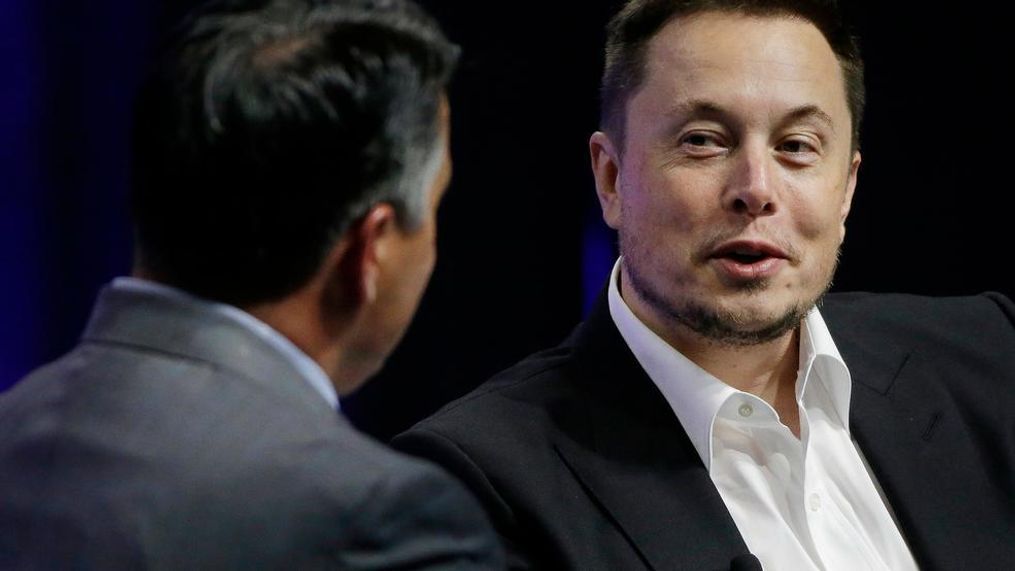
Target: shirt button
point(746, 410)
point(814, 502)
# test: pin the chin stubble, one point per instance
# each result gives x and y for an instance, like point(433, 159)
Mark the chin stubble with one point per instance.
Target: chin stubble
point(724, 327)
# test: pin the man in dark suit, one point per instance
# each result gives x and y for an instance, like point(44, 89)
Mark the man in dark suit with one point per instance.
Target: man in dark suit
point(290, 156)
point(717, 410)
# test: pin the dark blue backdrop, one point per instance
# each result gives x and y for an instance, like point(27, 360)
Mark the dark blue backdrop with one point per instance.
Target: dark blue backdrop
point(69, 71)
point(522, 250)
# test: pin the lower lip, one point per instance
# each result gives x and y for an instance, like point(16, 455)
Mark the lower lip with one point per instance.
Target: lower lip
point(738, 271)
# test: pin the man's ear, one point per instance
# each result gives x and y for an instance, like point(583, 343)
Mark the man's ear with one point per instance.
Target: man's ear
point(358, 258)
point(847, 199)
point(606, 169)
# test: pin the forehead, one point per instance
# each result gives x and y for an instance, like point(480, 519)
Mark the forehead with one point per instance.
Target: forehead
point(731, 60)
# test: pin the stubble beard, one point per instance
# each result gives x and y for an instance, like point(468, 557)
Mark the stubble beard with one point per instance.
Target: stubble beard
point(724, 327)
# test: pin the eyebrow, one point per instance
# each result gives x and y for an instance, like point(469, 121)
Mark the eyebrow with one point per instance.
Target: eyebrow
point(809, 112)
point(707, 109)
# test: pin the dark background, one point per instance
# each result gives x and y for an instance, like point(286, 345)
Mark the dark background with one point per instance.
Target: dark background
point(522, 249)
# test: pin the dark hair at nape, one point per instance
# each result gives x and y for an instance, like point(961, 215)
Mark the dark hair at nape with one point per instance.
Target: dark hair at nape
point(631, 30)
point(270, 126)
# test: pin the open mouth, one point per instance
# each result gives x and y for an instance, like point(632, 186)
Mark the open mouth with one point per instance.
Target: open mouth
point(749, 260)
point(747, 252)
point(745, 257)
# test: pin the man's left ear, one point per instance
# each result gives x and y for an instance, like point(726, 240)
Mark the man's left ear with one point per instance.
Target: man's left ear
point(358, 257)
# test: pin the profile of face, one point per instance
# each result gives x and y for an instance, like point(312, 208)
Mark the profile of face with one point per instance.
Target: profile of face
point(731, 192)
point(406, 261)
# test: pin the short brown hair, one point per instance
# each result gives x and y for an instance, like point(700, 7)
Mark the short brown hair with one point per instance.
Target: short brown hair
point(630, 31)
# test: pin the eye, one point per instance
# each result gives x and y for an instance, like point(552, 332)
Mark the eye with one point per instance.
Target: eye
point(703, 143)
point(700, 140)
point(799, 149)
point(797, 146)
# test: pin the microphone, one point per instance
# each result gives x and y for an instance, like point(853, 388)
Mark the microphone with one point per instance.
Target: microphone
point(745, 562)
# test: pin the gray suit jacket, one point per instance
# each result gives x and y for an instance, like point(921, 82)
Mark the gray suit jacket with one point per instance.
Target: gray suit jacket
point(171, 438)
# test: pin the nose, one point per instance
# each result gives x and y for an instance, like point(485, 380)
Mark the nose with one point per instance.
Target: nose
point(750, 188)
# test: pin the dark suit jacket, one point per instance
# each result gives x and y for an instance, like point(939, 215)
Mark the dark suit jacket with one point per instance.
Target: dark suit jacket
point(582, 464)
point(174, 439)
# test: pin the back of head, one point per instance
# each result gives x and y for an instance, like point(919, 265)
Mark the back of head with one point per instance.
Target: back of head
point(634, 26)
point(269, 126)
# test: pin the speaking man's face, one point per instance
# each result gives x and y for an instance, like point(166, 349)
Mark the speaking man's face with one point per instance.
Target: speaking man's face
point(736, 177)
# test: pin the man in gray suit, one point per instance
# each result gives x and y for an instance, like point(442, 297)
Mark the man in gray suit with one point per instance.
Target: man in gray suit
point(289, 158)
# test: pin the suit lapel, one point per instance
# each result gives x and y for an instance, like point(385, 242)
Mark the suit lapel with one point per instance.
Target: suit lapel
point(911, 435)
point(627, 448)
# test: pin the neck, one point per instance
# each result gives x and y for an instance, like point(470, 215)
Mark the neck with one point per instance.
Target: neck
point(762, 369)
point(767, 370)
point(298, 318)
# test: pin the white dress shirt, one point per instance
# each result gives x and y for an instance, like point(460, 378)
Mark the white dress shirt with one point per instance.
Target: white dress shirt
point(800, 504)
point(309, 370)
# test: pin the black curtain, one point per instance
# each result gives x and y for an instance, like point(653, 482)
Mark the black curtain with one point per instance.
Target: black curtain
point(521, 249)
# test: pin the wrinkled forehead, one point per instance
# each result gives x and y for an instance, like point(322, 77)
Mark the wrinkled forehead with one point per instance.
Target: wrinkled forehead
point(720, 56)
point(719, 31)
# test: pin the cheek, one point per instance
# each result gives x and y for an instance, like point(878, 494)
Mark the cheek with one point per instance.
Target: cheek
point(818, 201)
point(661, 203)
point(428, 252)
point(816, 220)
point(418, 260)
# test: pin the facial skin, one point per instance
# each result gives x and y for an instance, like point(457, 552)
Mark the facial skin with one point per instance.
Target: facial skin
point(413, 260)
point(732, 190)
point(353, 312)
point(404, 262)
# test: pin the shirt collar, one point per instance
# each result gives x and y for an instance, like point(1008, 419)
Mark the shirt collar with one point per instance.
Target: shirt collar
point(309, 370)
point(695, 395)
point(820, 357)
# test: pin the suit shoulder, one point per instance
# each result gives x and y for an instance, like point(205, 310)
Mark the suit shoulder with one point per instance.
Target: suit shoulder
point(989, 311)
point(385, 509)
point(966, 342)
point(418, 513)
point(521, 389)
point(201, 445)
